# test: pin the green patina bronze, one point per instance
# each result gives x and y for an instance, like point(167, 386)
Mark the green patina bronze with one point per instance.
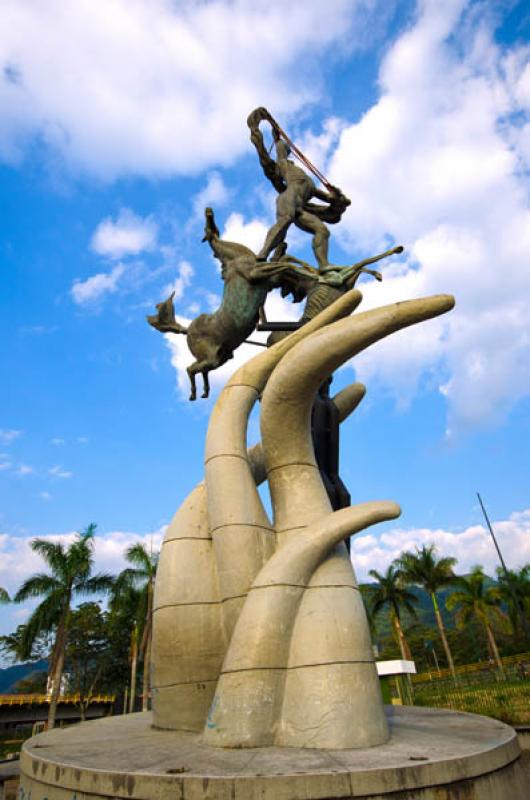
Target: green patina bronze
point(248, 277)
point(212, 338)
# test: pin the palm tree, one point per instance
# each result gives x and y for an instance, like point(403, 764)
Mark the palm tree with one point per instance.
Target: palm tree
point(514, 586)
point(425, 569)
point(129, 609)
point(390, 593)
point(4, 596)
point(473, 598)
point(70, 576)
point(140, 576)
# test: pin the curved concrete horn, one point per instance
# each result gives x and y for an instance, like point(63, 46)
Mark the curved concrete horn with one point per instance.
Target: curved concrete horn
point(243, 538)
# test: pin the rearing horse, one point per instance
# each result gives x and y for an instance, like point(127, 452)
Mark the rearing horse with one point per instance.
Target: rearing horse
point(212, 338)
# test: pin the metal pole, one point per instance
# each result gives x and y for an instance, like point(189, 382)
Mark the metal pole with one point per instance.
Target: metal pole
point(488, 523)
point(520, 610)
point(436, 659)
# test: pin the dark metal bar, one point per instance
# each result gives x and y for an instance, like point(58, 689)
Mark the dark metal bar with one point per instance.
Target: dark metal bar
point(278, 326)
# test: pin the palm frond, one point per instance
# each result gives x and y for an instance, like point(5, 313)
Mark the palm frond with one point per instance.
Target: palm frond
point(138, 555)
point(129, 579)
point(124, 599)
point(37, 586)
point(4, 596)
point(424, 568)
point(390, 592)
point(52, 552)
point(89, 532)
point(102, 582)
point(45, 617)
point(80, 557)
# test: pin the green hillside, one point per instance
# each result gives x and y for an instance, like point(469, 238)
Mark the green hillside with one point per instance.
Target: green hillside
point(9, 676)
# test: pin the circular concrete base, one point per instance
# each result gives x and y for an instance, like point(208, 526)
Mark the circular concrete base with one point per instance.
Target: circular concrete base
point(432, 753)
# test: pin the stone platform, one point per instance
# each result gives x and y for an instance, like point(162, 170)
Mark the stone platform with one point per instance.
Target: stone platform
point(432, 754)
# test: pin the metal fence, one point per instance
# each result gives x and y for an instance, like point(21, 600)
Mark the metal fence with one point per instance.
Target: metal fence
point(41, 699)
point(480, 688)
point(515, 667)
point(508, 701)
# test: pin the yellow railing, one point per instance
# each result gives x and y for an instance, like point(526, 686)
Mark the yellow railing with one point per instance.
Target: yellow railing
point(43, 699)
point(467, 669)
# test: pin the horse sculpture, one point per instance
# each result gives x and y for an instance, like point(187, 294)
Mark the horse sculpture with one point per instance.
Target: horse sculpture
point(212, 338)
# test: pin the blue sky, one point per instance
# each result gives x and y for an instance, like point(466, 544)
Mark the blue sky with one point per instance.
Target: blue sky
point(120, 121)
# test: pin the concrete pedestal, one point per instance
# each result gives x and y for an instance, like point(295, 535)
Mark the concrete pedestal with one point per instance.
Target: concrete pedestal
point(432, 754)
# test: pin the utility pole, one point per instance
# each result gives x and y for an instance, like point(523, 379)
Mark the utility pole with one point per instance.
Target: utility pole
point(520, 611)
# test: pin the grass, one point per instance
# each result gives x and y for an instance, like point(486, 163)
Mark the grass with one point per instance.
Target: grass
point(508, 701)
point(11, 741)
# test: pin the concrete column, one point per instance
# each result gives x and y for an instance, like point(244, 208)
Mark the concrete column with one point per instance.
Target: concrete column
point(188, 644)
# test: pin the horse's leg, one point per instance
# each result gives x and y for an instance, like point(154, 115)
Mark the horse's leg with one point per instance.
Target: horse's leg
point(192, 370)
point(204, 367)
point(206, 381)
point(224, 251)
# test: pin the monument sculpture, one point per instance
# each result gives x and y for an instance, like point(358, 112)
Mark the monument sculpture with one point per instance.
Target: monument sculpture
point(263, 676)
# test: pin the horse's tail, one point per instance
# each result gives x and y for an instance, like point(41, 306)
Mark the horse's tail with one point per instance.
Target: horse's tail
point(165, 320)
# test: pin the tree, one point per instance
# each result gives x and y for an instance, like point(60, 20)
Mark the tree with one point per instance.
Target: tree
point(87, 650)
point(118, 624)
point(70, 576)
point(141, 576)
point(14, 646)
point(514, 587)
point(128, 612)
point(474, 598)
point(425, 569)
point(4, 596)
point(390, 593)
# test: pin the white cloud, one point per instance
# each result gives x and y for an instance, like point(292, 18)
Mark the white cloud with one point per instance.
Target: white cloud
point(8, 436)
point(252, 233)
point(213, 300)
point(82, 440)
point(36, 330)
point(23, 470)
point(45, 496)
point(57, 441)
point(95, 287)
point(470, 546)
point(438, 164)
point(58, 472)
point(181, 283)
point(157, 87)
point(4, 465)
point(214, 194)
point(127, 236)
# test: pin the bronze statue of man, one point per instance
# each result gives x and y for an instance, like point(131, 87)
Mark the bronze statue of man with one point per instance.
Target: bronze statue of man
point(296, 189)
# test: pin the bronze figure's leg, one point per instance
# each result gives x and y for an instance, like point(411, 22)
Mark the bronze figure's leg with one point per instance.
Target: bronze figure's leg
point(287, 205)
point(310, 224)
